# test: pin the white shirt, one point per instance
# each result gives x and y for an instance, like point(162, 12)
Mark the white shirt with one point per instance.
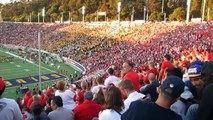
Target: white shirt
point(131, 98)
point(110, 114)
point(111, 80)
point(95, 89)
point(67, 97)
point(9, 110)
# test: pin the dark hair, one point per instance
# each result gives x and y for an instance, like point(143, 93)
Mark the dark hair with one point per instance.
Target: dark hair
point(113, 99)
point(207, 73)
point(36, 110)
point(126, 84)
point(49, 101)
point(2, 90)
point(110, 71)
point(168, 57)
point(99, 97)
point(173, 71)
point(130, 63)
point(99, 79)
point(58, 101)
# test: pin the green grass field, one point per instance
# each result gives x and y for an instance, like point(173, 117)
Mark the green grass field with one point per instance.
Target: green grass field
point(19, 69)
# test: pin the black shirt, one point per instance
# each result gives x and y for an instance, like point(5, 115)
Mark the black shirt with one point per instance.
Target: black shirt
point(139, 110)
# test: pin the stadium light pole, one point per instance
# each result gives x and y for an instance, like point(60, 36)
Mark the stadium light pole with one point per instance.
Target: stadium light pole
point(39, 58)
point(144, 13)
point(203, 13)
point(30, 17)
point(119, 11)
point(162, 6)
point(83, 12)
point(208, 13)
point(38, 17)
point(69, 17)
point(43, 13)
point(188, 10)
point(62, 17)
point(1, 17)
point(132, 16)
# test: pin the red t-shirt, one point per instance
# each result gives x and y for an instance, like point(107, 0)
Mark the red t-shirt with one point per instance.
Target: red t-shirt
point(153, 70)
point(165, 65)
point(87, 110)
point(80, 97)
point(134, 77)
point(210, 56)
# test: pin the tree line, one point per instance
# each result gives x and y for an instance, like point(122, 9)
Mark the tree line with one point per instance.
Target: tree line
point(154, 10)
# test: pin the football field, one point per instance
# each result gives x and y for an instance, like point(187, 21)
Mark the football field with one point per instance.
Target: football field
point(19, 70)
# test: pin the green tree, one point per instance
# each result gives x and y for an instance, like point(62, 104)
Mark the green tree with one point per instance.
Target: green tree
point(179, 14)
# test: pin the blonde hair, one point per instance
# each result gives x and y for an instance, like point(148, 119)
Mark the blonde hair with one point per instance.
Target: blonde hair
point(61, 84)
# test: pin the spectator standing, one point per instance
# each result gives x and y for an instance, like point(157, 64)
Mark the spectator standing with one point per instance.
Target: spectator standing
point(66, 95)
point(100, 85)
point(9, 109)
point(130, 74)
point(59, 112)
point(164, 66)
point(89, 109)
point(114, 105)
point(169, 92)
point(151, 89)
point(37, 112)
point(111, 79)
point(129, 91)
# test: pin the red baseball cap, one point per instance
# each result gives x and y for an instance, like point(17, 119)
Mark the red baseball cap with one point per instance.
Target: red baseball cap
point(1, 83)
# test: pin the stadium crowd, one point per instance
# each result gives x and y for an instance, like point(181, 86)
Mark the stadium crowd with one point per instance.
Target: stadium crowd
point(154, 71)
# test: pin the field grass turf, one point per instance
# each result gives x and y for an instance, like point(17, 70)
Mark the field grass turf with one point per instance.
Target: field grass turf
point(19, 68)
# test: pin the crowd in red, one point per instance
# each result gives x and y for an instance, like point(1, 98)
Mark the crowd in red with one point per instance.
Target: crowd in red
point(98, 49)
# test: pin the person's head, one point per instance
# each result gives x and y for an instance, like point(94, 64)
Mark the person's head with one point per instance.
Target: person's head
point(151, 64)
point(61, 85)
point(48, 102)
point(56, 102)
point(2, 86)
point(173, 71)
point(113, 99)
point(152, 78)
point(99, 97)
point(99, 80)
point(36, 110)
point(167, 57)
point(171, 89)
point(207, 73)
point(84, 84)
point(194, 73)
point(126, 86)
point(128, 66)
point(110, 71)
point(88, 96)
point(36, 98)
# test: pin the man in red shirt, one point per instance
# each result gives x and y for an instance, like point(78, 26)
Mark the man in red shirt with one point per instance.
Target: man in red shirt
point(129, 74)
point(89, 109)
point(165, 65)
point(152, 69)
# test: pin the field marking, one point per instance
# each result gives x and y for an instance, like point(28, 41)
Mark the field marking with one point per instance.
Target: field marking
point(32, 72)
point(18, 66)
